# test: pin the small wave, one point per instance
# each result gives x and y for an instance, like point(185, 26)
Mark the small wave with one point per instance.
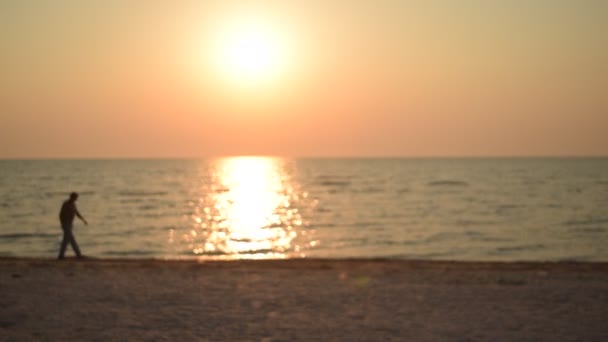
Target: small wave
point(214, 253)
point(86, 193)
point(127, 232)
point(27, 235)
point(578, 258)
point(322, 225)
point(20, 215)
point(364, 224)
point(473, 233)
point(154, 215)
point(519, 248)
point(369, 190)
point(56, 193)
point(131, 253)
point(390, 242)
point(448, 183)
point(427, 255)
point(330, 180)
point(468, 223)
point(586, 222)
point(131, 200)
point(590, 230)
point(147, 207)
point(220, 253)
point(67, 193)
point(135, 193)
point(509, 206)
point(507, 209)
point(442, 236)
point(334, 183)
point(235, 239)
point(493, 239)
point(355, 242)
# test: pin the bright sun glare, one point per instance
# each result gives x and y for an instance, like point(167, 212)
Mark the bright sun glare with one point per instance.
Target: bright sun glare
point(249, 52)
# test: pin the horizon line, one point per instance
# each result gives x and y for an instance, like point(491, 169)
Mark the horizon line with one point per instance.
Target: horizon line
point(514, 156)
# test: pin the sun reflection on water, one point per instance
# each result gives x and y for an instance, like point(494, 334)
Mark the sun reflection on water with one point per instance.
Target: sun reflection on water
point(248, 211)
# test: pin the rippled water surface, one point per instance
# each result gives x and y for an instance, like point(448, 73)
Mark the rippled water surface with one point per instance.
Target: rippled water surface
point(257, 207)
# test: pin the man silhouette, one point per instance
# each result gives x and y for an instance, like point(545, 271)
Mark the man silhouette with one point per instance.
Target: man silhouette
point(66, 216)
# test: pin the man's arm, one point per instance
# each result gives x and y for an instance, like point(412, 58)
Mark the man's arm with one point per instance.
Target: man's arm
point(80, 217)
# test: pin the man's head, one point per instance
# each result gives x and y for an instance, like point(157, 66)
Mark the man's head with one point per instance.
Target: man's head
point(73, 196)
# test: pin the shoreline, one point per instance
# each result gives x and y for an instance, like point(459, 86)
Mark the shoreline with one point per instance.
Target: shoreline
point(312, 263)
point(301, 299)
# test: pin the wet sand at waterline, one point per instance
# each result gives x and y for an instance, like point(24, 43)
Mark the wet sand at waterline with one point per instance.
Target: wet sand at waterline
point(301, 299)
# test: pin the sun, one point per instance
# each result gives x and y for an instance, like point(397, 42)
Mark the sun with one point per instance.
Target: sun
point(249, 52)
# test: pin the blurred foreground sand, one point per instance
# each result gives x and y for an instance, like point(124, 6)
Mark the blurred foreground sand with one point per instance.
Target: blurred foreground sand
point(346, 300)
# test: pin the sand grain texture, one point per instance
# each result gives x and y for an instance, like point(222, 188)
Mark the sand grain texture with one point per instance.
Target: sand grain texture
point(345, 300)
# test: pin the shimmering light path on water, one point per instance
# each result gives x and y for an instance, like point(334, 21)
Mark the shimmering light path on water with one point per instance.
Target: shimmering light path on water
point(248, 211)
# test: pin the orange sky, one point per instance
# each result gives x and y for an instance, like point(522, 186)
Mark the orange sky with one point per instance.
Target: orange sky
point(356, 78)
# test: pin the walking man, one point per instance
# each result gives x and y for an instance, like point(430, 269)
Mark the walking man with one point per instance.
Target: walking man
point(66, 216)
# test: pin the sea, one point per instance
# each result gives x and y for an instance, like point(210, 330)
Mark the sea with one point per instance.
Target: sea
point(467, 209)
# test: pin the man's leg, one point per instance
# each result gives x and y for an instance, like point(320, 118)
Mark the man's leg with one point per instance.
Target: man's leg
point(64, 245)
point(74, 245)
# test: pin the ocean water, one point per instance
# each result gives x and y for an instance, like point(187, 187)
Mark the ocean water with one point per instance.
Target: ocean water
point(257, 207)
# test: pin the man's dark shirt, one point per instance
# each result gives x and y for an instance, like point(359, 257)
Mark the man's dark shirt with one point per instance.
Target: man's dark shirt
point(68, 211)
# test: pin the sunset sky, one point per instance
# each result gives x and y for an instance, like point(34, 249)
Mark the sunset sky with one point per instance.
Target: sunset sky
point(113, 78)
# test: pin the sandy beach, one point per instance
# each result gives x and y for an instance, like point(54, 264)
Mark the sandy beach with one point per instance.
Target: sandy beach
point(284, 300)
